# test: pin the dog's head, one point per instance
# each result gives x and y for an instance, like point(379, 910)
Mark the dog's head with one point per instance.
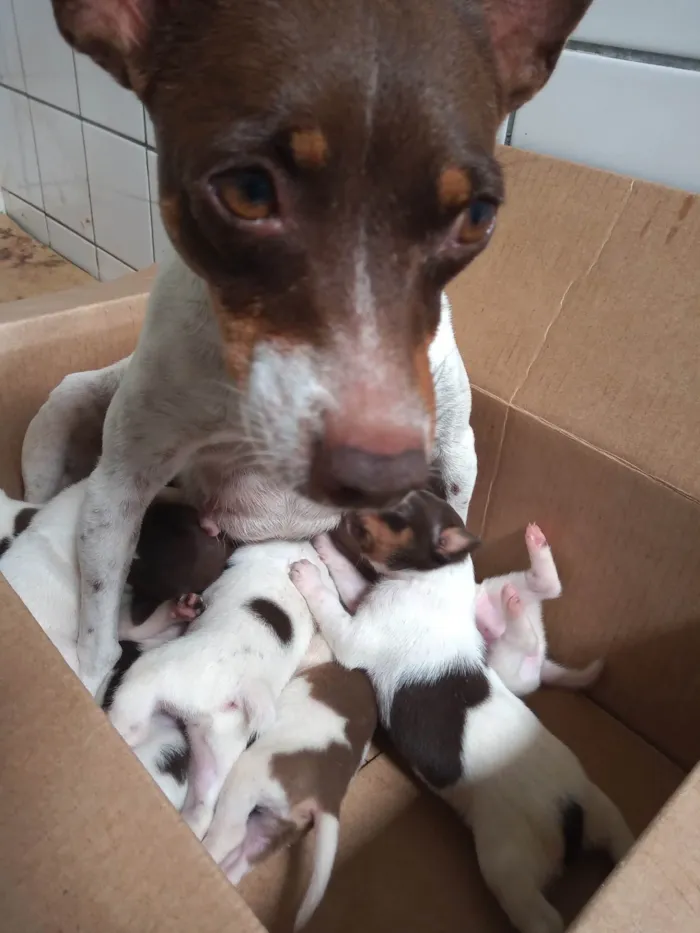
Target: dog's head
point(327, 167)
point(422, 532)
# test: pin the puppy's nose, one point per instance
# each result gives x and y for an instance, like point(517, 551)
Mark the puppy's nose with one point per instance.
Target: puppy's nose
point(353, 471)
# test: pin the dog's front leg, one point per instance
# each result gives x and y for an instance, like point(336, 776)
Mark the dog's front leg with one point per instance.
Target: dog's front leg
point(136, 463)
point(336, 624)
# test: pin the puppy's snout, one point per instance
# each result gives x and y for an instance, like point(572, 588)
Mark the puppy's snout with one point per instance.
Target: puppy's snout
point(353, 471)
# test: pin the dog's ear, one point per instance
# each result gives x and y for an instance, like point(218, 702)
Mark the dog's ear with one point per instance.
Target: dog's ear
point(112, 32)
point(456, 543)
point(527, 37)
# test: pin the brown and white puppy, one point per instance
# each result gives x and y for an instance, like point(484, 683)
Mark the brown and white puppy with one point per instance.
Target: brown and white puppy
point(294, 777)
point(527, 799)
point(319, 198)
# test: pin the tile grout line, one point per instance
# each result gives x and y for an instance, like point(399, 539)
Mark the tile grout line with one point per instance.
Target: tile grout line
point(70, 230)
point(31, 119)
point(77, 116)
point(87, 170)
point(662, 59)
point(150, 202)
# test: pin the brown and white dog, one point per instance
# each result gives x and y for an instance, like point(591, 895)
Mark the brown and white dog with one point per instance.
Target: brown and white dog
point(528, 801)
point(321, 183)
point(294, 777)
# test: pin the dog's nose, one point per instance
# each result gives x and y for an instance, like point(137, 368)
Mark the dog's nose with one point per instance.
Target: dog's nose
point(354, 475)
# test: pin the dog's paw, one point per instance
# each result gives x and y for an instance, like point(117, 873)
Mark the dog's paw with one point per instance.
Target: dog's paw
point(324, 547)
point(305, 576)
point(512, 603)
point(189, 607)
point(534, 538)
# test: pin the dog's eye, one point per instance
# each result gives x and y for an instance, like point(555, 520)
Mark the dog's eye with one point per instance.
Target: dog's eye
point(477, 221)
point(248, 193)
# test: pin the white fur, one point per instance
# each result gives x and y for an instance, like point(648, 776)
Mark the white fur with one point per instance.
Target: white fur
point(410, 628)
point(241, 454)
point(224, 675)
point(303, 723)
point(41, 566)
point(509, 615)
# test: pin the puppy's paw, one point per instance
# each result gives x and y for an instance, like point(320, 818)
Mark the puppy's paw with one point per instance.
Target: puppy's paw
point(534, 538)
point(189, 607)
point(324, 547)
point(511, 601)
point(305, 576)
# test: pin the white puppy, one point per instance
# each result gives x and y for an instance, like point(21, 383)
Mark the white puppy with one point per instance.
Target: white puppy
point(296, 774)
point(42, 568)
point(224, 676)
point(510, 618)
point(525, 795)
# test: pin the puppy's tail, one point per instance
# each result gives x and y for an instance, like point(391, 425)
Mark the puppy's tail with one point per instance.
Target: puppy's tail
point(326, 845)
point(555, 675)
point(604, 826)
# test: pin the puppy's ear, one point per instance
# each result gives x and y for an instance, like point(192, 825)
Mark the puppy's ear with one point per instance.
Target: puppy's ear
point(456, 543)
point(112, 32)
point(527, 37)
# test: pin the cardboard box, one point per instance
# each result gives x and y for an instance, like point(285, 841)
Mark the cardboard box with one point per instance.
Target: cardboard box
point(580, 326)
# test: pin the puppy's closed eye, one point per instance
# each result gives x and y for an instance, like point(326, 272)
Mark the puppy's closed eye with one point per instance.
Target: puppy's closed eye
point(394, 521)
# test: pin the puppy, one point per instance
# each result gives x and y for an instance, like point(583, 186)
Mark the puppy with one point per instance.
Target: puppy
point(285, 365)
point(295, 776)
point(509, 617)
point(15, 516)
point(42, 567)
point(525, 795)
point(223, 677)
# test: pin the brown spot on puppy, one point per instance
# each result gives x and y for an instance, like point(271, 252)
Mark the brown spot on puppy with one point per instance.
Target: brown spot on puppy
point(454, 188)
point(309, 148)
point(274, 616)
point(22, 520)
point(4, 545)
point(323, 776)
point(174, 556)
point(426, 722)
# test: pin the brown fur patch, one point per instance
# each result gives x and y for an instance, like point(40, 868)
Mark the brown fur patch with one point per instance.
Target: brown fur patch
point(240, 331)
point(426, 384)
point(309, 148)
point(385, 541)
point(454, 188)
point(324, 775)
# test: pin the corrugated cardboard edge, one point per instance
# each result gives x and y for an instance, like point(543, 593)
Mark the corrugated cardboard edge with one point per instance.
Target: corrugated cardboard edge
point(658, 887)
point(120, 837)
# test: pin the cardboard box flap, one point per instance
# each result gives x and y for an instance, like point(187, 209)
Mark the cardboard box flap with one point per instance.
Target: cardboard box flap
point(658, 888)
point(43, 339)
point(106, 853)
point(585, 311)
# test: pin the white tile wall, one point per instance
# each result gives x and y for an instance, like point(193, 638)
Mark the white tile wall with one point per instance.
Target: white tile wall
point(110, 268)
point(104, 101)
point(99, 177)
point(28, 217)
point(121, 207)
point(64, 181)
point(630, 117)
point(19, 169)
point(10, 61)
point(671, 26)
point(72, 246)
point(47, 60)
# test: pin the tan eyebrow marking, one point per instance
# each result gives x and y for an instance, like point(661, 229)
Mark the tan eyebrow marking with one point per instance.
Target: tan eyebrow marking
point(454, 187)
point(309, 148)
